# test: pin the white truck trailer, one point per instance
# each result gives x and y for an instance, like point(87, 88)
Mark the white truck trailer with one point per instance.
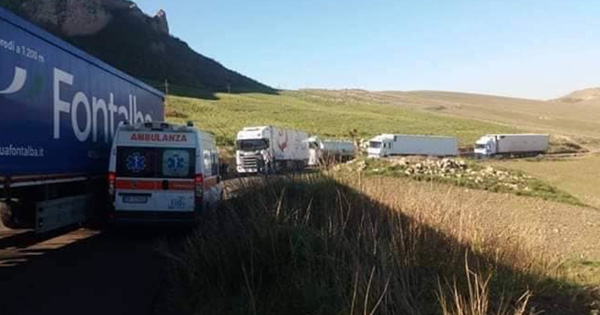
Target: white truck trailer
point(268, 149)
point(390, 145)
point(511, 144)
point(329, 151)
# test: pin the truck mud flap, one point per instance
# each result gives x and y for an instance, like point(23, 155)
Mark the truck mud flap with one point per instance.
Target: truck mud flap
point(57, 213)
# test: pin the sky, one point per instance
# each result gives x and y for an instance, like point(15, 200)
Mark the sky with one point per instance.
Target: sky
point(540, 49)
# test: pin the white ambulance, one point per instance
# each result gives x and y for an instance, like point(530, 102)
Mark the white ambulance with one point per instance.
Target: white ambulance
point(163, 172)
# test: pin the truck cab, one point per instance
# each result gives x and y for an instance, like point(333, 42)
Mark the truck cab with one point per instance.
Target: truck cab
point(315, 151)
point(253, 150)
point(163, 172)
point(379, 146)
point(268, 149)
point(486, 146)
point(511, 145)
point(326, 151)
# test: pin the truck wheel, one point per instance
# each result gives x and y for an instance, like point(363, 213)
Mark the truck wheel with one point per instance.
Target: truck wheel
point(301, 166)
point(8, 216)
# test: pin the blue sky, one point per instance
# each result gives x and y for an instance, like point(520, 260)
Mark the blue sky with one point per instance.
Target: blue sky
point(524, 48)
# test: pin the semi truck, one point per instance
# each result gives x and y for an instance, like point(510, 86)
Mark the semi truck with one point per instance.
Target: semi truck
point(386, 145)
point(59, 109)
point(323, 151)
point(268, 149)
point(511, 144)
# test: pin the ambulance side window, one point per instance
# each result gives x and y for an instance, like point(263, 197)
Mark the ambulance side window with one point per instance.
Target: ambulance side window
point(215, 162)
point(208, 165)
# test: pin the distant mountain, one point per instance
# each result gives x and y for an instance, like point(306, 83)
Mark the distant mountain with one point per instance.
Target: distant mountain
point(586, 95)
point(119, 33)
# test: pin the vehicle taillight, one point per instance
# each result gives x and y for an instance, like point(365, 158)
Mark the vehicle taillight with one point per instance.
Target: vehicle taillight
point(111, 185)
point(199, 189)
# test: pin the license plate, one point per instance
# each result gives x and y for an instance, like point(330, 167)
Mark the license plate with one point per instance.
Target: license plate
point(135, 199)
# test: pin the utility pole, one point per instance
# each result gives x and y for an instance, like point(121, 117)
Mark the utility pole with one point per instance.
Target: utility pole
point(166, 91)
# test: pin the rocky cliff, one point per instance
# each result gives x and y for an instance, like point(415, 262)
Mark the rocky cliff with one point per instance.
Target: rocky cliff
point(118, 32)
point(87, 17)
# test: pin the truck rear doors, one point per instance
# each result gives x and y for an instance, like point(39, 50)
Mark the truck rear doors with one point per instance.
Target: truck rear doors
point(160, 179)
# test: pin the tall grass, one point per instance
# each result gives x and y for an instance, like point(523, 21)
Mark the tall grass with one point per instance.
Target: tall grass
point(318, 245)
point(477, 298)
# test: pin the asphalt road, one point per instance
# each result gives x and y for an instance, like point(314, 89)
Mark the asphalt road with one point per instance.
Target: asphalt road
point(86, 272)
point(90, 271)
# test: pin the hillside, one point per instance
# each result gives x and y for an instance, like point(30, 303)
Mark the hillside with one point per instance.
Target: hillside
point(119, 33)
point(320, 115)
point(585, 95)
point(578, 121)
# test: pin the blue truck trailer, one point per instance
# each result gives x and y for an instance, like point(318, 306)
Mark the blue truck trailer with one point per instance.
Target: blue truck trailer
point(59, 109)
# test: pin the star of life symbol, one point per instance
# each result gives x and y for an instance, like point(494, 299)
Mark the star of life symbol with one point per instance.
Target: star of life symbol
point(176, 163)
point(136, 162)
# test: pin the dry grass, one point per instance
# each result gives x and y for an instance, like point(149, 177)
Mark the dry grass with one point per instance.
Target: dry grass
point(578, 176)
point(567, 233)
point(477, 298)
point(554, 228)
point(317, 245)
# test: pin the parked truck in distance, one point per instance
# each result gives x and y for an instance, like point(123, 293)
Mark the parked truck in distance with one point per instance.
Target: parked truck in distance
point(268, 149)
point(394, 145)
point(59, 109)
point(511, 144)
point(329, 151)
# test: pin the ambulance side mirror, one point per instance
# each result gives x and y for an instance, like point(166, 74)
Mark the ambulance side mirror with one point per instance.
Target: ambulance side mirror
point(224, 169)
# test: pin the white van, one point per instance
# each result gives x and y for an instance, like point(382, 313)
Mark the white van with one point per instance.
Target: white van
point(163, 172)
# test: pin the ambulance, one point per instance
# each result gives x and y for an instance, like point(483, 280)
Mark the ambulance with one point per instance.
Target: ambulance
point(162, 172)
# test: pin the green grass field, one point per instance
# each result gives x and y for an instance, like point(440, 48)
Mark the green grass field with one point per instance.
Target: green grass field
point(324, 116)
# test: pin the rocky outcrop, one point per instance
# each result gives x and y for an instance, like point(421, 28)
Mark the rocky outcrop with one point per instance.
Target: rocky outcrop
point(160, 22)
point(82, 18)
point(70, 17)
